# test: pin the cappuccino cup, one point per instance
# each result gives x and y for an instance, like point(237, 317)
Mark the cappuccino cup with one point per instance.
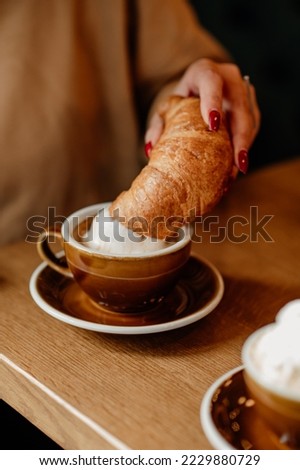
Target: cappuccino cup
point(121, 282)
point(271, 372)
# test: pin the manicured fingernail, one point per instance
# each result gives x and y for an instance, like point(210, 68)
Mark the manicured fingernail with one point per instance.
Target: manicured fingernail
point(214, 120)
point(243, 161)
point(148, 148)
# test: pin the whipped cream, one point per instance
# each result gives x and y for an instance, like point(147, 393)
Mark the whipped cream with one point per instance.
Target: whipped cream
point(276, 353)
point(108, 235)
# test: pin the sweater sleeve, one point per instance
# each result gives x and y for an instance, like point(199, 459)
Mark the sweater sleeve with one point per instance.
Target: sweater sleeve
point(169, 38)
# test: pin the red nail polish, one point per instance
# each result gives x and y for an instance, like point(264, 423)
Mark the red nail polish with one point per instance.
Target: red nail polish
point(243, 161)
point(214, 120)
point(148, 148)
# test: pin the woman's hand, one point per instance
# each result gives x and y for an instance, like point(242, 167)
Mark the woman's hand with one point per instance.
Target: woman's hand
point(221, 87)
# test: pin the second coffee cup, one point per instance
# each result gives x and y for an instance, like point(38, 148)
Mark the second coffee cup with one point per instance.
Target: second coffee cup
point(271, 356)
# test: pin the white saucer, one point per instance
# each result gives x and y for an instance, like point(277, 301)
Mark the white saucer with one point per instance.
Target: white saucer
point(230, 419)
point(197, 293)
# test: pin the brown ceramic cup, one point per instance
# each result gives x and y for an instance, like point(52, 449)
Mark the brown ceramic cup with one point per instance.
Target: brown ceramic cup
point(278, 405)
point(131, 283)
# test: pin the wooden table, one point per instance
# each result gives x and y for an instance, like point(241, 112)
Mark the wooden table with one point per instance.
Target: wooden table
point(89, 390)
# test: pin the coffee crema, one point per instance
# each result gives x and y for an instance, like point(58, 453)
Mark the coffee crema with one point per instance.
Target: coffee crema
point(108, 235)
point(271, 356)
point(276, 351)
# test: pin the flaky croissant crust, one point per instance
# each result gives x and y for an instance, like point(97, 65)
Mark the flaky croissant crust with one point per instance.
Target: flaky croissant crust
point(187, 174)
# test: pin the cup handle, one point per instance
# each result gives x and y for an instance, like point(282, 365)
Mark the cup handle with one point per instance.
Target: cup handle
point(45, 252)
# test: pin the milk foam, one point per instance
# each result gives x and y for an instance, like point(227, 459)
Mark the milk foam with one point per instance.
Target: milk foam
point(276, 353)
point(108, 235)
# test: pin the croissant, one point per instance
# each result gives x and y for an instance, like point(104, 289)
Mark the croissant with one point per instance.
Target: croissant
point(188, 172)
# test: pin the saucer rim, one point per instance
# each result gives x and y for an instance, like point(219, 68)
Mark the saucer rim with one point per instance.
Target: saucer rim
point(209, 428)
point(129, 330)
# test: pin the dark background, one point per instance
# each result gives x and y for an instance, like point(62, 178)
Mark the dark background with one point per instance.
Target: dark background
point(20, 434)
point(263, 37)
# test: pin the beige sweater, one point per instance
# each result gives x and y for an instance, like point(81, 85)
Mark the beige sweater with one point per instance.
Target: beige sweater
point(77, 78)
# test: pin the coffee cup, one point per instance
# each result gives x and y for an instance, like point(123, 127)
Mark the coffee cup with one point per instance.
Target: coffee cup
point(271, 381)
point(132, 282)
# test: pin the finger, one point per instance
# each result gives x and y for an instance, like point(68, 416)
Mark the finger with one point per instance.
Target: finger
point(241, 126)
point(203, 79)
point(211, 93)
point(254, 110)
point(153, 132)
point(241, 119)
point(252, 104)
point(245, 123)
